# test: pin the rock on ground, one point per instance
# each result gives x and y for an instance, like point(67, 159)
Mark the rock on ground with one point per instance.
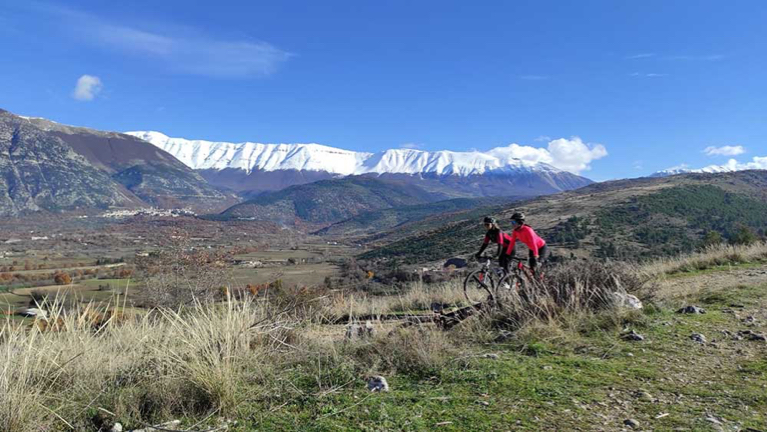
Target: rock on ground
point(691, 310)
point(631, 423)
point(632, 336)
point(33, 312)
point(378, 383)
point(627, 300)
point(697, 337)
point(360, 331)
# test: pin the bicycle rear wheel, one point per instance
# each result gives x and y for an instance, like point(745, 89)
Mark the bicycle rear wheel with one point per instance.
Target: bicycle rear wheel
point(478, 287)
point(512, 283)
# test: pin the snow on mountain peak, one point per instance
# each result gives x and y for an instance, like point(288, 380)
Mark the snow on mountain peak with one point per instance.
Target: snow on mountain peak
point(249, 156)
point(732, 165)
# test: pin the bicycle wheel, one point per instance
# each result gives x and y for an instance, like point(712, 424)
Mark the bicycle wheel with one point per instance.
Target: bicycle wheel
point(511, 283)
point(478, 287)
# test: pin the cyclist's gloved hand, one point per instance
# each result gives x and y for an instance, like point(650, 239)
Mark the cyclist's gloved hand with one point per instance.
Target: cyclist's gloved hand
point(533, 262)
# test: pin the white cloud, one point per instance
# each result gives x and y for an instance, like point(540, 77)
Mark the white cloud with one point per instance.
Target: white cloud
point(571, 155)
point(708, 57)
point(178, 49)
point(411, 146)
point(724, 150)
point(648, 75)
point(574, 155)
point(756, 163)
point(87, 87)
point(640, 56)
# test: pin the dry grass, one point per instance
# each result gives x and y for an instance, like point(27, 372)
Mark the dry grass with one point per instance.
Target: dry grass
point(417, 297)
point(214, 357)
point(205, 358)
point(573, 289)
point(166, 363)
point(713, 256)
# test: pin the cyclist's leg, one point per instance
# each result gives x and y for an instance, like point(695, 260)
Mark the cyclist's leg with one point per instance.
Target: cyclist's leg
point(504, 261)
point(543, 254)
point(532, 261)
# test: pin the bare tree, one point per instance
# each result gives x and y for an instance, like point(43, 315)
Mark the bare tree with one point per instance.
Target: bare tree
point(181, 274)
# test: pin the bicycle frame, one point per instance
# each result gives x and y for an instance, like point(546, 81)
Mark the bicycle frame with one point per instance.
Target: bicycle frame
point(520, 268)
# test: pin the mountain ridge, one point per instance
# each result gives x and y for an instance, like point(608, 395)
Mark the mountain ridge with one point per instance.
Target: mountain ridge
point(112, 168)
point(253, 168)
point(249, 156)
point(319, 204)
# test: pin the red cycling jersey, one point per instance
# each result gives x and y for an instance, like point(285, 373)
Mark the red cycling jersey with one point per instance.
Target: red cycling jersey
point(497, 236)
point(526, 235)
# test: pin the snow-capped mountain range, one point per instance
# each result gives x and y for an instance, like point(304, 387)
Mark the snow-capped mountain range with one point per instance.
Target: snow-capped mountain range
point(711, 169)
point(252, 168)
point(732, 165)
point(249, 156)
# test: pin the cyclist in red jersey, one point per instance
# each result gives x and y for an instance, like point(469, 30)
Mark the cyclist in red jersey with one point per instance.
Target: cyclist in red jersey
point(495, 235)
point(539, 252)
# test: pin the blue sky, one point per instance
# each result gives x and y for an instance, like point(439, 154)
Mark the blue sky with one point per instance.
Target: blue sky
point(656, 82)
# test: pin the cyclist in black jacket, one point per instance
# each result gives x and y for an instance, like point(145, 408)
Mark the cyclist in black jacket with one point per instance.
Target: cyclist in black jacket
point(495, 235)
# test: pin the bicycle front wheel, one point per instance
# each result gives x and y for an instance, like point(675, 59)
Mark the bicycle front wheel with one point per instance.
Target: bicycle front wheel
point(478, 287)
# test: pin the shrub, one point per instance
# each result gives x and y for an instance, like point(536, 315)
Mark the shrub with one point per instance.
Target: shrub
point(181, 275)
point(62, 278)
point(744, 236)
point(572, 288)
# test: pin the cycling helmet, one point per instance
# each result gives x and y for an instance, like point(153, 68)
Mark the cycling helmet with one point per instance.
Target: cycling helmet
point(489, 220)
point(518, 217)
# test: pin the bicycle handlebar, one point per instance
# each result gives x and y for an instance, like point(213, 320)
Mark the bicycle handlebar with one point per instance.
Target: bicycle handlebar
point(488, 257)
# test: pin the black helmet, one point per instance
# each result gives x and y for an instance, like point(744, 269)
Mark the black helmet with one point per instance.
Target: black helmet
point(489, 220)
point(519, 217)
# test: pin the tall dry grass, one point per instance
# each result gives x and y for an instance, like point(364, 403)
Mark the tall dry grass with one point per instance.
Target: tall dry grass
point(573, 289)
point(162, 364)
point(712, 256)
point(416, 297)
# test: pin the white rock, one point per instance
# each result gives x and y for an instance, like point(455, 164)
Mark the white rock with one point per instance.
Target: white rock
point(359, 331)
point(33, 312)
point(378, 383)
point(627, 300)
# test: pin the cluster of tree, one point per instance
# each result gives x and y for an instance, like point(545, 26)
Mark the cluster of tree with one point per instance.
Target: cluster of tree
point(569, 233)
point(445, 241)
point(679, 219)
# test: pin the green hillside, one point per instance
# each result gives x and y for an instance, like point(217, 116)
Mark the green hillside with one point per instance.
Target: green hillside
point(328, 201)
point(379, 222)
point(627, 219)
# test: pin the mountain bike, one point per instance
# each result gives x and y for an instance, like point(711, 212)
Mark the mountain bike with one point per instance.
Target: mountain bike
point(479, 285)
